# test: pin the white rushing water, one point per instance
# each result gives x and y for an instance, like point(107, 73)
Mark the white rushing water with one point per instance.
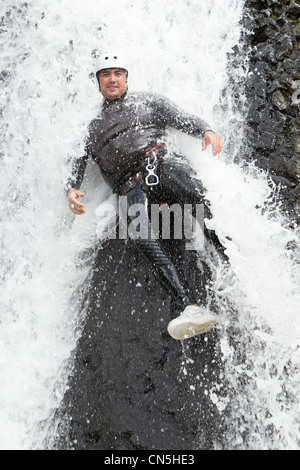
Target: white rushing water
point(48, 98)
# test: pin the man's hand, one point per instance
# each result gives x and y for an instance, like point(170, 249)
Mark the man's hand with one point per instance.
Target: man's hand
point(75, 206)
point(211, 138)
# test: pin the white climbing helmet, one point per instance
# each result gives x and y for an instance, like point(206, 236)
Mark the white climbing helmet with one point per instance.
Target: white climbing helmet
point(111, 61)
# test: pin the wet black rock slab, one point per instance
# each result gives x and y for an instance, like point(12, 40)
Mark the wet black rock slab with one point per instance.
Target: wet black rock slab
point(273, 93)
point(133, 386)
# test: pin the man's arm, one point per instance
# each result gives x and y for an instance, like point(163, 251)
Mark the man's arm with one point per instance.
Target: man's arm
point(74, 182)
point(173, 116)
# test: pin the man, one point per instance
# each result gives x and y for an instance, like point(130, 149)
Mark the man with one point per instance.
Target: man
point(126, 140)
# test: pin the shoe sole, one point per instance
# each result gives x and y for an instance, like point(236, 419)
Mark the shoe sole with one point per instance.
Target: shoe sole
point(184, 329)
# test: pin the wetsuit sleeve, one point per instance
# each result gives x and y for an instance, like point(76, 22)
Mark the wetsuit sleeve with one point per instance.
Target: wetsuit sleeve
point(78, 169)
point(173, 116)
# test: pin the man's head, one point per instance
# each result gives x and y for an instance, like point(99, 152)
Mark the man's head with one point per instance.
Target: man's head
point(111, 74)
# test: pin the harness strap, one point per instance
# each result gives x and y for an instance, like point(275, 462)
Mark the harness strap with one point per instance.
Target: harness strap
point(131, 180)
point(154, 148)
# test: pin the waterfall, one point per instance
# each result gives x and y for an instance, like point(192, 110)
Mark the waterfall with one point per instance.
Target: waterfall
point(48, 96)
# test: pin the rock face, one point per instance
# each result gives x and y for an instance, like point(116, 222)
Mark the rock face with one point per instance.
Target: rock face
point(273, 93)
point(133, 386)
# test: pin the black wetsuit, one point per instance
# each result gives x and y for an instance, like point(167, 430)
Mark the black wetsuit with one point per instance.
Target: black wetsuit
point(118, 140)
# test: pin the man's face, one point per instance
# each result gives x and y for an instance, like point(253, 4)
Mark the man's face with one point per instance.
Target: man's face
point(112, 83)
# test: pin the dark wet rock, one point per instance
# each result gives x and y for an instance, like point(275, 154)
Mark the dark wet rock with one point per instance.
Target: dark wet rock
point(279, 100)
point(133, 386)
point(273, 139)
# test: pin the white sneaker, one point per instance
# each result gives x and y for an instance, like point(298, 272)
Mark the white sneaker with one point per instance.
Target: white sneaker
point(193, 321)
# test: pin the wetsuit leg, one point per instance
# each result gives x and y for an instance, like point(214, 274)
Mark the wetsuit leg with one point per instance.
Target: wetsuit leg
point(178, 184)
point(137, 201)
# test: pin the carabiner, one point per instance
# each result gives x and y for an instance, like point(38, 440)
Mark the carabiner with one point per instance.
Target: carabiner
point(151, 167)
point(151, 176)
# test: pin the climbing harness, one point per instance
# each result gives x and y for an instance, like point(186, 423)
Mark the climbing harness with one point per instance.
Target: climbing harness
point(152, 159)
